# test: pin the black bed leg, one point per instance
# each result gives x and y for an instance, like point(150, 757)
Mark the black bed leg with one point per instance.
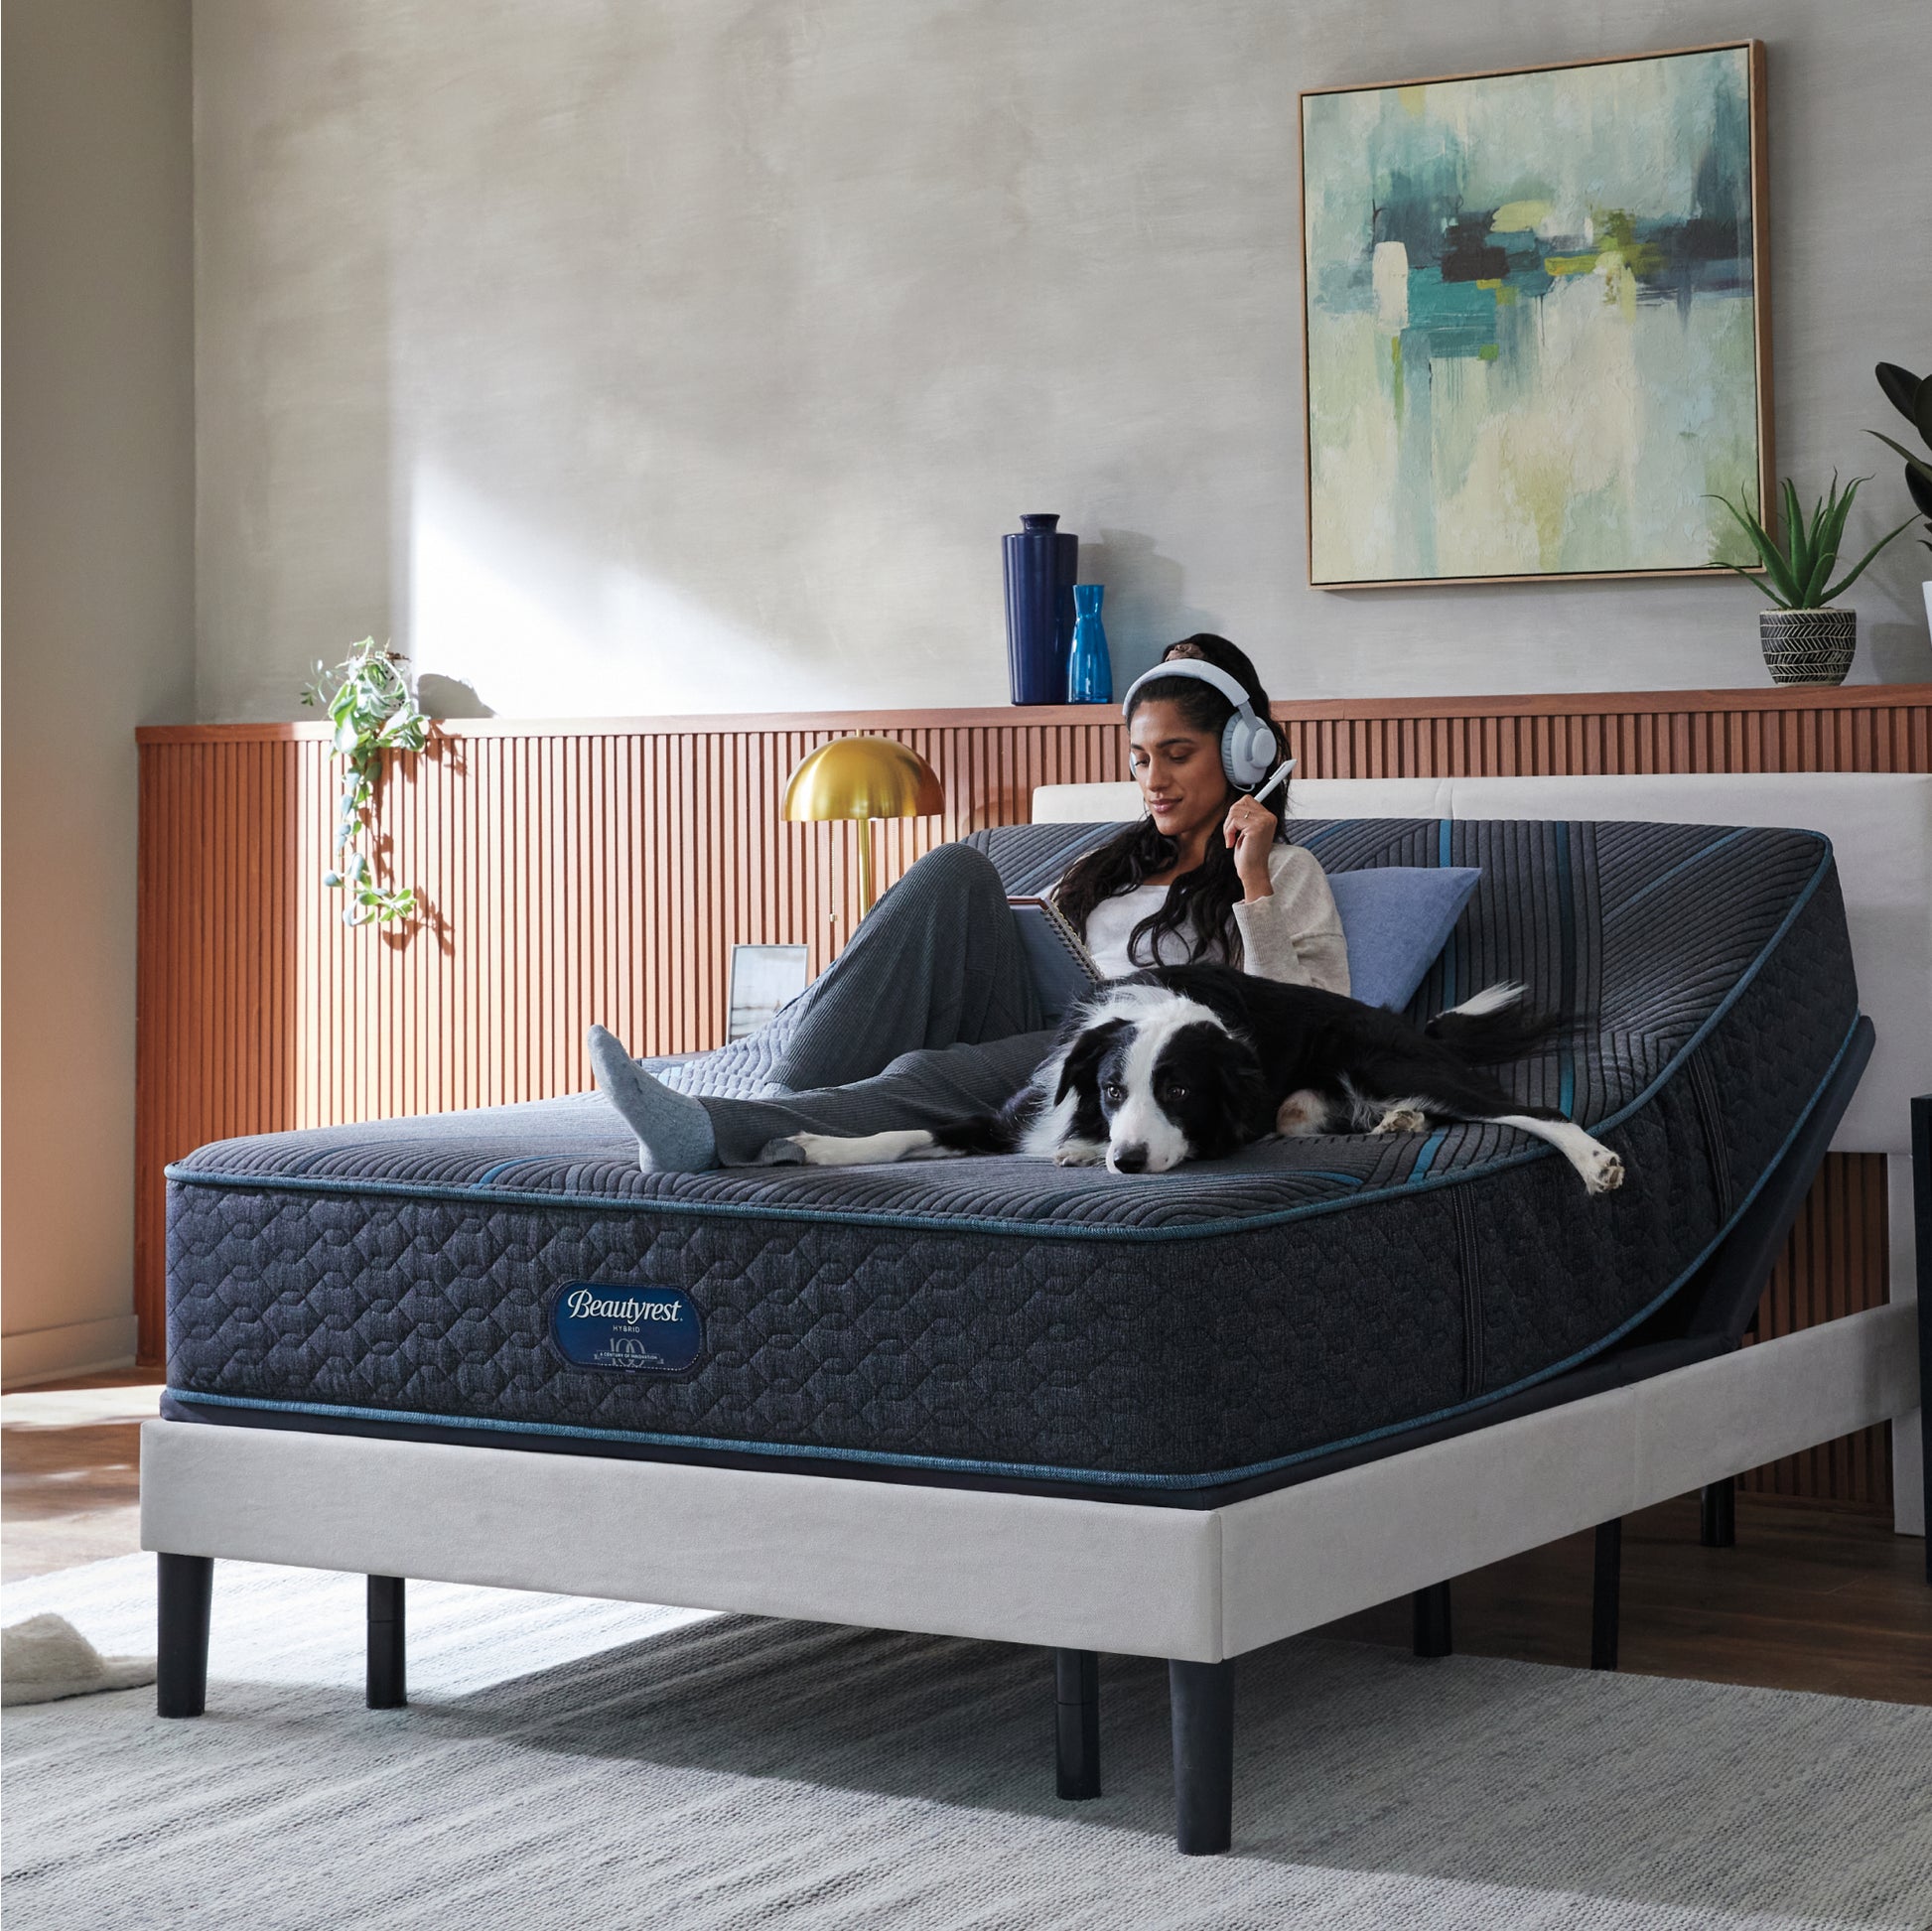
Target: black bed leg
point(1431, 1621)
point(1077, 1712)
point(1201, 1698)
point(1605, 1596)
point(387, 1682)
point(184, 1587)
point(1718, 1514)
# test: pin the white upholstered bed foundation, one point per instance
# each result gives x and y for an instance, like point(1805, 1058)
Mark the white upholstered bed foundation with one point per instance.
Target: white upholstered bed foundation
point(1196, 1585)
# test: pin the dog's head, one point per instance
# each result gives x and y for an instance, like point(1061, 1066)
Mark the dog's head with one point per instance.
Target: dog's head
point(1167, 1083)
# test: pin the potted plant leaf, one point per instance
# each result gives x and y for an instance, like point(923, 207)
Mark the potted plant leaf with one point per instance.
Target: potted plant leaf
point(1911, 396)
point(1806, 639)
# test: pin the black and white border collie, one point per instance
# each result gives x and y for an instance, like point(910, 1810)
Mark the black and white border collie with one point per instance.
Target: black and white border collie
point(1193, 1063)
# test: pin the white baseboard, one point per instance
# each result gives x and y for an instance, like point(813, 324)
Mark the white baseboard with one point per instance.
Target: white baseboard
point(75, 1347)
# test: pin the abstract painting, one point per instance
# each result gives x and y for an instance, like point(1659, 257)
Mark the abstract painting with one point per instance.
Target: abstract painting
point(1535, 334)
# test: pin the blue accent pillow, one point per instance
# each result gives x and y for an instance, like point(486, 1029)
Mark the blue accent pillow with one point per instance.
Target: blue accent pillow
point(1396, 918)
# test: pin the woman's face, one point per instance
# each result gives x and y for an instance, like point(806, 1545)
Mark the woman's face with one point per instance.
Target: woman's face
point(1178, 768)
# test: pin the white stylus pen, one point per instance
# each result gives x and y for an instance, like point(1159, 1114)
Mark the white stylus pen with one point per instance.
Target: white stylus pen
point(1280, 771)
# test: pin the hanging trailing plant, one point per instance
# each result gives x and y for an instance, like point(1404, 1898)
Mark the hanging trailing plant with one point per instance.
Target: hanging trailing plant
point(368, 703)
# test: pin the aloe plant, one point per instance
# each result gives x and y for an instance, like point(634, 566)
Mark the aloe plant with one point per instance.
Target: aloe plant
point(367, 701)
point(1797, 577)
point(1911, 396)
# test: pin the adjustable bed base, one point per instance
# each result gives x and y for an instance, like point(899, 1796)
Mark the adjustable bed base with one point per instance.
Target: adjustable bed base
point(1198, 1585)
point(1199, 1588)
point(367, 1311)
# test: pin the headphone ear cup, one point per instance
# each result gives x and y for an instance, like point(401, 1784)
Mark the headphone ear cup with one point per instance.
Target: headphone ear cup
point(1247, 748)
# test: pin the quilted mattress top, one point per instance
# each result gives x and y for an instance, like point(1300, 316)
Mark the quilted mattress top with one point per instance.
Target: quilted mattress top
point(1653, 930)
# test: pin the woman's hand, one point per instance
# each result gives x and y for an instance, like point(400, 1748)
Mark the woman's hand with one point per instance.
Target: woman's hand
point(1249, 829)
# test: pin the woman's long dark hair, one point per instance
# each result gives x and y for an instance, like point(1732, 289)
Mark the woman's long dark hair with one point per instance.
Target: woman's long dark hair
point(1202, 901)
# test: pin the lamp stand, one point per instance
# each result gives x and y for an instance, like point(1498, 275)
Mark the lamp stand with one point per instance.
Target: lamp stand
point(865, 865)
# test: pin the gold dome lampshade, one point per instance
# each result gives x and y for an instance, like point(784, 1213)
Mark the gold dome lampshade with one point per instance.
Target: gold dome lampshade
point(863, 778)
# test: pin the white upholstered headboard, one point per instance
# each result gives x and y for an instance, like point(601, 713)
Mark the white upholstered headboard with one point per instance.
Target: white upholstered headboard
point(1879, 825)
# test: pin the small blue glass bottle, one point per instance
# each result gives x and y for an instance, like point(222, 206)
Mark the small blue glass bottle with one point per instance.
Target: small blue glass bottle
point(1089, 669)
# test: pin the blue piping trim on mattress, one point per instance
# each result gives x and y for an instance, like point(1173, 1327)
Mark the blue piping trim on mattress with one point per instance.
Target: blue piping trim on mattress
point(1031, 1470)
point(1027, 1229)
point(1453, 948)
point(505, 1166)
point(1567, 971)
point(1682, 865)
point(1427, 1157)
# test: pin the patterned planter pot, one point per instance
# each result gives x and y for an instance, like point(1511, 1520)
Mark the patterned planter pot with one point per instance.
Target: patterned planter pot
point(1808, 646)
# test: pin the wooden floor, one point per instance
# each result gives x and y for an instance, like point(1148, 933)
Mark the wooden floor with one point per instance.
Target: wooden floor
point(1810, 1598)
point(71, 1470)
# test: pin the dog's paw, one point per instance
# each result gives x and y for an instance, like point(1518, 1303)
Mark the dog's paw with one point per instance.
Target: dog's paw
point(1402, 1119)
point(1602, 1171)
point(1302, 1112)
point(1078, 1152)
point(862, 1149)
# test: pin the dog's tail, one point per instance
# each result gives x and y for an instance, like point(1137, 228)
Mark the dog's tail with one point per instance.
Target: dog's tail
point(1493, 1026)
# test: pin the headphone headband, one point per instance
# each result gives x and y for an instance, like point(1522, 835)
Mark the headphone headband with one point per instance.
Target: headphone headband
point(1248, 745)
point(1211, 674)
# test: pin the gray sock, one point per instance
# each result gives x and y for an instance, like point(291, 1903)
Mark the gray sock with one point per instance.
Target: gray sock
point(673, 1131)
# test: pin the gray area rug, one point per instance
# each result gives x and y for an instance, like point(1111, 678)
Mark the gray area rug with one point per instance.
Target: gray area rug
point(590, 1764)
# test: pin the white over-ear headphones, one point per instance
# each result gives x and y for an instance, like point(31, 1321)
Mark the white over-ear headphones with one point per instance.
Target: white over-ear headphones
point(1248, 747)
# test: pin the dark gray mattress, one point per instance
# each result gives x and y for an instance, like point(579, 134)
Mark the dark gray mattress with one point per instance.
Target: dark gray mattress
point(1012, 1318)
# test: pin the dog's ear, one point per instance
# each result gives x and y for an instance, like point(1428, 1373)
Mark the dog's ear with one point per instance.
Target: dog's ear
point(1243, 1088)
point(1224, 992)
point(1251, 1100)
point(1083, 1058)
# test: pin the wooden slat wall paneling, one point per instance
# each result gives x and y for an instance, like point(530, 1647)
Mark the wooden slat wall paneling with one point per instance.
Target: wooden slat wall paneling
point(601, 870)
point(218, 951)
point(1835, 1263)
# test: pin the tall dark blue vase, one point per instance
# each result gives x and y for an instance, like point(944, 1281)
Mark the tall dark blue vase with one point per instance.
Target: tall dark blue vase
point(1042, 564)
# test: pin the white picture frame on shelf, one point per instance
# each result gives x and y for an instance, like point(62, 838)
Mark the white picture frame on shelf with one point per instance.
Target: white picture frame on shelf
point(763, 978)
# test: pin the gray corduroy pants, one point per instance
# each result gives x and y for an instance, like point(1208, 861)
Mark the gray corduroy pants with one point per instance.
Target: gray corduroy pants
point(927, 1015)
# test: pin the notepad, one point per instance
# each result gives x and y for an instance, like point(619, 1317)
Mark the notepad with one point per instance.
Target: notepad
point(1063, 969)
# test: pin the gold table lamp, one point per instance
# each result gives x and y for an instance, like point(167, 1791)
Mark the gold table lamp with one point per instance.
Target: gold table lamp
point(863, 778)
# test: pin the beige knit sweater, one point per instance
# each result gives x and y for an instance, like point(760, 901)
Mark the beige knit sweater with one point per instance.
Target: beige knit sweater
point(1293, 935)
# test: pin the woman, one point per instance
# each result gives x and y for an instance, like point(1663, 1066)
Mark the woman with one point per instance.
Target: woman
point(1205, 875)
point(929, 1013)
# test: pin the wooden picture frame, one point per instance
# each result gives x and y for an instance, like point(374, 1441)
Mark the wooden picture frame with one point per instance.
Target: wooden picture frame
point(1756, 474)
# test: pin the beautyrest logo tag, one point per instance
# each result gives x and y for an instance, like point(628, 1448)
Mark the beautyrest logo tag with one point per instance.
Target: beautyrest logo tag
point(612, 1325)
point(587, 1304)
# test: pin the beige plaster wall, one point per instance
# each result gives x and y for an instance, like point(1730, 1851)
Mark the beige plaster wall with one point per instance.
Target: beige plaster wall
point(98, 627)
point(632, 355)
